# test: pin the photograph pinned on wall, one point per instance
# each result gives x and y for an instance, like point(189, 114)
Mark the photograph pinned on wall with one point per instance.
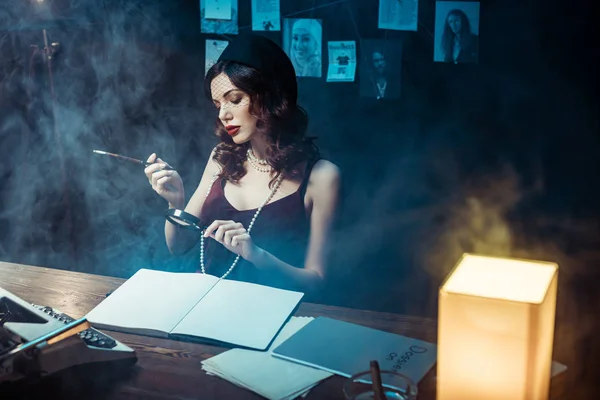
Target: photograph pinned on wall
point(380, 68)
point(213, 51)
point(400, 15)
point(217, 9)
point(266, 15)
point(217, 25)
point(302, 41)
point(342, 61)
point(456, 35)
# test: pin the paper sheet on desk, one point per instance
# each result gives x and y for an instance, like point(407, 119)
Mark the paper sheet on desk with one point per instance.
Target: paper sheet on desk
point(265, 375)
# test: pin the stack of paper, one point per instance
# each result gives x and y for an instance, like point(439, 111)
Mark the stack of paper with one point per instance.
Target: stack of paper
point(268, 376)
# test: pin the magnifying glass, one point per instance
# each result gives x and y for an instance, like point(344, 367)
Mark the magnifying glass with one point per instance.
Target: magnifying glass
point(184, 220)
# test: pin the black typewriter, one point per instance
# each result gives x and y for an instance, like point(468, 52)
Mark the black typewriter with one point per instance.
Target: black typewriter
point(39, 340)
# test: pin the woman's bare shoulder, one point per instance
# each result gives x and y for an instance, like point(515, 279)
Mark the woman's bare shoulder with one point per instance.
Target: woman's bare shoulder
point(324, 175)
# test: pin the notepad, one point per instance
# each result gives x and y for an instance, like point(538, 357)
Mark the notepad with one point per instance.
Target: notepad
point(345, 349)
point(192, 306)
point(270, 377)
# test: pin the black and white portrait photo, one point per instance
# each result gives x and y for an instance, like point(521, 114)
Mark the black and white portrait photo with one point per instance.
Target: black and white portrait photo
point(456, 32)
point(380, 66)
point(302, 41)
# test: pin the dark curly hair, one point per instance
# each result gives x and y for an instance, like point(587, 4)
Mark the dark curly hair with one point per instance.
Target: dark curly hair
point(448, 34)
point(280, 119)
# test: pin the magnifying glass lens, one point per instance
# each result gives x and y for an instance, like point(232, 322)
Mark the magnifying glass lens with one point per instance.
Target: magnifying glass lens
point(184, 219)
point(182, 222)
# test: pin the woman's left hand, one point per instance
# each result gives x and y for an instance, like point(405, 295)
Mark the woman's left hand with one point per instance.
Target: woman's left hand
point(234, 237)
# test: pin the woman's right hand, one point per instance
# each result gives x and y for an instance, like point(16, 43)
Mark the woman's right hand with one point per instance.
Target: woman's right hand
point(167, 183)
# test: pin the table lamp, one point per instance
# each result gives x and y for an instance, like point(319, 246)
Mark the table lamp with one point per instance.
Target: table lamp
point(496, 329)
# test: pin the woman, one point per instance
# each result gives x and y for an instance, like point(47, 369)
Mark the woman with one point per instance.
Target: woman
point(306, 47)
point(266, 196)
point(459, 45)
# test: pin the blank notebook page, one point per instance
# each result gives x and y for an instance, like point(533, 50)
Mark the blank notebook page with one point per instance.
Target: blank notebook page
point(240, 313)
point(150, 299)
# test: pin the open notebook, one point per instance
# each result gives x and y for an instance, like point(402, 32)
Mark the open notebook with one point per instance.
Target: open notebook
point(196, 306)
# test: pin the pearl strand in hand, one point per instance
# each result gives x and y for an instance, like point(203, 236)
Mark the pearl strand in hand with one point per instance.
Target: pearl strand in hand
point(269, 197)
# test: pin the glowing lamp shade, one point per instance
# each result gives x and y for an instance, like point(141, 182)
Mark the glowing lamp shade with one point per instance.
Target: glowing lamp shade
point(496, 329)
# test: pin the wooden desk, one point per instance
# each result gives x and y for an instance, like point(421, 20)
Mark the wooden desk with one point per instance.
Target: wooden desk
point(168, 369)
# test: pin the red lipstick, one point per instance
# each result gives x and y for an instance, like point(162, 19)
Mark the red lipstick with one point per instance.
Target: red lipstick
point(232, 129)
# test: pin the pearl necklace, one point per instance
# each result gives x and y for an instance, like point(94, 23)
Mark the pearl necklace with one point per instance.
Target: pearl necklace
point(381, 89)
point(269, 197)
point(259, 164)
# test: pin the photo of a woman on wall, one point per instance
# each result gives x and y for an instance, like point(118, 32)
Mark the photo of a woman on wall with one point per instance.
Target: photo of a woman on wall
point(459, 44)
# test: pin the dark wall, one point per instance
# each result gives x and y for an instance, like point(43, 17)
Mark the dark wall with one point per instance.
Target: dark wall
point(499, 157)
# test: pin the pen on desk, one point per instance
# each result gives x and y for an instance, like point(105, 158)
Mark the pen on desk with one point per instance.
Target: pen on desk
point(125, 158)
point(51, 338)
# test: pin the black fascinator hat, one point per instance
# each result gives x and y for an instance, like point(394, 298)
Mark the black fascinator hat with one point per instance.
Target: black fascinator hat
point(267, 57)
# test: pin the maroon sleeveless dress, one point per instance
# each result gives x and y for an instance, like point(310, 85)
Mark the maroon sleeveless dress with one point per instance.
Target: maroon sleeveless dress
point(282, 229)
